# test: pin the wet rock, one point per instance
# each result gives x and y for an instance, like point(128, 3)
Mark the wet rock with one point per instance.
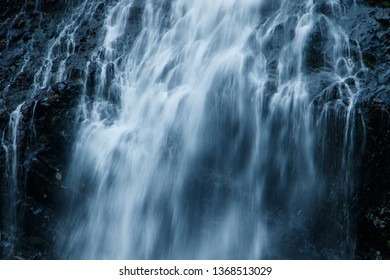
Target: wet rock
point(39, 231)
point(53, 117)
point(47, 127)
point(368, 23)
point(48, 6)
point(378, 3)
point(372, 201)
point(46, 134)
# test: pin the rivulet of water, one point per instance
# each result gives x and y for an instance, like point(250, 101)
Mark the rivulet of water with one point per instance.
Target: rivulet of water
point(12, 173)
point(206, 137)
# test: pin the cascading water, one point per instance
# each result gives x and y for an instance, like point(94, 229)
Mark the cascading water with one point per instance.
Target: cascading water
point(210, 130)
point(203, 138)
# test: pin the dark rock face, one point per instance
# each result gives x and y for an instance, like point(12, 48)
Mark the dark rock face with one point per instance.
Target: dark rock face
point(372, 204)
point(369, 23)
point(47, 128)
point(378, 3)
point(46, 136)
point(53, 116)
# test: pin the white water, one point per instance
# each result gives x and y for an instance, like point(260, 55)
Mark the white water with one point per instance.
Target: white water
point(206, 134)
point(203, 145)
point(12, 173)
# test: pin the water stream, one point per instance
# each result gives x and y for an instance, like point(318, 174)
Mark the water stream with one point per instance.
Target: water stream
point(202, 139)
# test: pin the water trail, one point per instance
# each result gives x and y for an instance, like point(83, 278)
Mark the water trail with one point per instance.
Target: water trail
point(63, 46)
point(203, 141)
point(10, 203)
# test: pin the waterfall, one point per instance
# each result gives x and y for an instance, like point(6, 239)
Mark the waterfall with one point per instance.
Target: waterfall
point(204, 137)
point(217, 129)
